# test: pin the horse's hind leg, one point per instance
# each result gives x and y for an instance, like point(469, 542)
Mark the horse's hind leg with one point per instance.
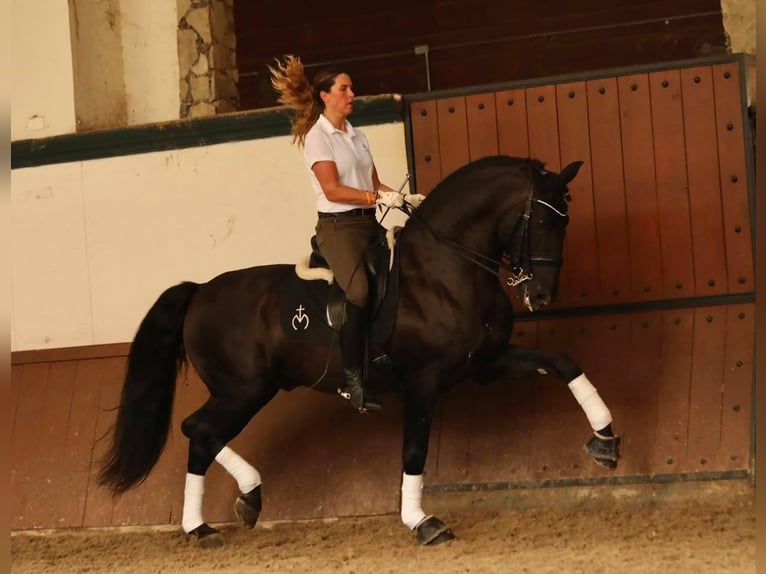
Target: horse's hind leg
point(209, 429)
point(519, 362)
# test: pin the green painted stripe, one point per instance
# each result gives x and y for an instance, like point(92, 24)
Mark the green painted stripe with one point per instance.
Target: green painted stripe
point(241, 126)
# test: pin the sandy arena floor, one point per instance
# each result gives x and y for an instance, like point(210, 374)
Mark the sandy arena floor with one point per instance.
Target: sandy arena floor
point(696, 528)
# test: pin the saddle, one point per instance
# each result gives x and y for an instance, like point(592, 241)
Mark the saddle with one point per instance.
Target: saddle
point(376, 264)
point(313, 305)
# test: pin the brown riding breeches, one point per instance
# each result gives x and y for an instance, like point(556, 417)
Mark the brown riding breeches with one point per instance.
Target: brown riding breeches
point(342, 240)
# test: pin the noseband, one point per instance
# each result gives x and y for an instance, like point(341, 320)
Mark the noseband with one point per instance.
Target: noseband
point(516, 271)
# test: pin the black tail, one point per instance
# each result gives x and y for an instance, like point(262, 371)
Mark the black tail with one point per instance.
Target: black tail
point(146, 404)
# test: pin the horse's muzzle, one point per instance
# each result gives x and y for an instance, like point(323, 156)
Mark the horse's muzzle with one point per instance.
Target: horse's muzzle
point(535, 300)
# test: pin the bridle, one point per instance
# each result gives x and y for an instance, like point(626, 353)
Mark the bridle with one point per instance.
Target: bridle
point(517, 273)
point(517, 269)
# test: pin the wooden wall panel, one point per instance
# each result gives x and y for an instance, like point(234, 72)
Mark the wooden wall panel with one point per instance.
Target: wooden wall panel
point(705, 398)
point(453, 135)
point(542, 122)
point(639, 422)
point(16, 376)
point(100, 506)
point(511, 112)
point(704, 181)
point(81, 434)
point(737, 387)
point(25, 443)
point(580, 284)
point(672, 184)
point(673, 390)
point(640, 191)
point(97, 507)
point(101, 509)
point(526, 414)
point(608, 191)
point(452, 447)
point(734, 188)
point(482, 125)
point(425, 142)
point(502, 454)
point(50, 485)
point(558, 446)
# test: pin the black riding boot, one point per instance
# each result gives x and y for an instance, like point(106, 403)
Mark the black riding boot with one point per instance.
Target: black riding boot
point(352, 344)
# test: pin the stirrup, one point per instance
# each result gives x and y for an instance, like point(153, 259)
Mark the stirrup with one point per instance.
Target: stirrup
point(354, 396)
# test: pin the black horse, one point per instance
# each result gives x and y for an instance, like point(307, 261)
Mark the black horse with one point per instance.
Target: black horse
point(451, 321)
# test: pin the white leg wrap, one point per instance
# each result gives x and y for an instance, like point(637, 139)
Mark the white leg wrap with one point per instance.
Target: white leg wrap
point(192, 516)
point(412, 495)
point(587, 396)
point(243, 472)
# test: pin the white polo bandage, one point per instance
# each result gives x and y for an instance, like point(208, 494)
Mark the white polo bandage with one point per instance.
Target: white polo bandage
point(193, 492)
point(587, 396)
point(243, 472)
point(412, 496)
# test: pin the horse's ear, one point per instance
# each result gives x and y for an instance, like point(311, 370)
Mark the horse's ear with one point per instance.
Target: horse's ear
point(570, 171)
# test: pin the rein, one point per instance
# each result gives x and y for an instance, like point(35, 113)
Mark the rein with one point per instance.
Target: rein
point(516, 273)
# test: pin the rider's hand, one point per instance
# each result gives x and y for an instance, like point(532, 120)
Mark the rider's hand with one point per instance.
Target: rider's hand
point(390, 199)
point(414, 199)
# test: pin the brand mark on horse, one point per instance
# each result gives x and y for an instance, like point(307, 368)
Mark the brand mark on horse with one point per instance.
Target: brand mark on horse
point(299, 317)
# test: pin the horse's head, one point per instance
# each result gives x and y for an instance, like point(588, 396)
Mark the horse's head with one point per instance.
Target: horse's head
point(536, 258)
point(525, 207)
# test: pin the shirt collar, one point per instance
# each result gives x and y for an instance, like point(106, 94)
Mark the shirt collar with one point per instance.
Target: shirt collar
point(328, 128)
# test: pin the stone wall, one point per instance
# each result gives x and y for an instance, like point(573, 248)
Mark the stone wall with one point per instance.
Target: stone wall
point(207, 57)
point(739, 23)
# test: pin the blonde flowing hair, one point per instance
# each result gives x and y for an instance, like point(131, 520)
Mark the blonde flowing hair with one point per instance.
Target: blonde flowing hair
point(289, 79)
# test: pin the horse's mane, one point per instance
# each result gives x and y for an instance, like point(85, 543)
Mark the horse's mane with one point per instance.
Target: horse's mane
point(442, 191)
point(485, 162)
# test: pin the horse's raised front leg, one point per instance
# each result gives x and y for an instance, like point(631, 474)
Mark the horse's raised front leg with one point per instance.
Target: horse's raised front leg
point(519, 362)
point(418, 416)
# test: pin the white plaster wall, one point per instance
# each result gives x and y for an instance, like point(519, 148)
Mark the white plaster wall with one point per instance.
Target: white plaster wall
point(96, 242)
point(150, 60)
point(42, 92)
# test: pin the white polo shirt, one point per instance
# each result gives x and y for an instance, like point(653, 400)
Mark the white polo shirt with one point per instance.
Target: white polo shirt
point(351, 154)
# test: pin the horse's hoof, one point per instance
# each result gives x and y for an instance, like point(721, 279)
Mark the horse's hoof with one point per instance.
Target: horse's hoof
point(604, 451)
point(207, 536)
point(247, 507)
point(432, 531)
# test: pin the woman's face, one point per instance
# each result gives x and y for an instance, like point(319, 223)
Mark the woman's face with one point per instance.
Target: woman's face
point(340, 98)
